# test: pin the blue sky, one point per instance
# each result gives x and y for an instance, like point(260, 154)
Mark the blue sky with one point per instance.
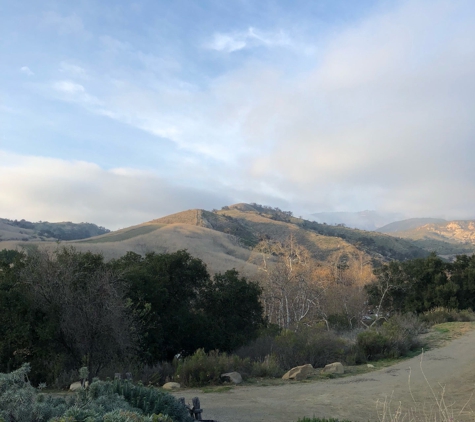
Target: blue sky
point(118, 112)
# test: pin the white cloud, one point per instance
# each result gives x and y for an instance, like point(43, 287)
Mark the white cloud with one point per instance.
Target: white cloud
point(42, 188)
point(26, 70)
point(251, 38)
point(73, 92)
point(378, 116)
point(383, 118)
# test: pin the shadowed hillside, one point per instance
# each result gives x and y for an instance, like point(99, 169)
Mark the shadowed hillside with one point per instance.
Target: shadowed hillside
point(45, 231)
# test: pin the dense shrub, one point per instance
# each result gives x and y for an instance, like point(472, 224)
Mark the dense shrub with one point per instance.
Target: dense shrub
point(310, 345)
point(148, 400)
point(440, 314)
point(394, 338)
point(19, 401)
point(316, 346)
point(118, 401)
point(206, 368)
point(372, 344)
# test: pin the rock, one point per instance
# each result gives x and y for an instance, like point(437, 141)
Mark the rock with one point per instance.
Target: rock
point(171, 386)
point(298, 373)
point(369, 365)
point(333, 368)
point(75, 386)
point(234, 377)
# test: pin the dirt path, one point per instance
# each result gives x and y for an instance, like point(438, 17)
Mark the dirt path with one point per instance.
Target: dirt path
point(355, 398)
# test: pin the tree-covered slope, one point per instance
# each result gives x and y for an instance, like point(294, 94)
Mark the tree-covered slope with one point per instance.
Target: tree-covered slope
point(43, 230)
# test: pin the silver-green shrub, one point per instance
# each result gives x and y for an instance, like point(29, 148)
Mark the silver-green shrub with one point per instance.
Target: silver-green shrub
point(118, 401)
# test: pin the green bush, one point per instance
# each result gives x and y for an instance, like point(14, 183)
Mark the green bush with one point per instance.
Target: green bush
point(314, 419)
point(440, 315)
point(125, 416)
point(148, 400)
point(19, 401)
point(310, 345)
point(372, 344)
point(394, 338)
point(206, 368)
point(269, 368)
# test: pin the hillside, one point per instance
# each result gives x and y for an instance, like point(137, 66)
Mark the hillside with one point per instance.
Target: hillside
point(365, 220)
point(44, 231)
point(238, 235)
point(444, 237)
point(409, 224)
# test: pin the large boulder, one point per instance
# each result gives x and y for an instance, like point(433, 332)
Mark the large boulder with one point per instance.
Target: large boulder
point(171, 386)
point(333, 368)
point(234, 377)
point(75, 386)
point(298, 373)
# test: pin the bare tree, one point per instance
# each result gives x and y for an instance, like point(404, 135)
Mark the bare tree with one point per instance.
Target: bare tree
point(290, 293)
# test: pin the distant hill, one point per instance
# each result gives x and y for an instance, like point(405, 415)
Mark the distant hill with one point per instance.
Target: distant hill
point(409, 224)
point(444, 237)
point(366, 220)
point(233, 237)
point(44, 231)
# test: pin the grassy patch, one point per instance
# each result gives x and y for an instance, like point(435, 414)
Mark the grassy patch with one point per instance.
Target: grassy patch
point(125, 234)
point(441, 334)
point(218, 389)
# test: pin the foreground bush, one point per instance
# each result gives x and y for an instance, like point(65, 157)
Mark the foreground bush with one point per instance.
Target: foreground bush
point(206, 368)
point(118, 401)
point(314, 345)
point(394, 338)
point(440, 315)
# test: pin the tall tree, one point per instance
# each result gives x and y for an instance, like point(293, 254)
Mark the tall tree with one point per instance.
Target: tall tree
point(232, 311)
point(85, 299)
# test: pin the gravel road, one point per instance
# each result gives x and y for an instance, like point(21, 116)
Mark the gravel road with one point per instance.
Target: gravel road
point(355, 398)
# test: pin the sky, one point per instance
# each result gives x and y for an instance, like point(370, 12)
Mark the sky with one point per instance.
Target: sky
point(119, 112)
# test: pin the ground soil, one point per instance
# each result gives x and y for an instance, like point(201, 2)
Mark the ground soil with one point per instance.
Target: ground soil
point(448, 371)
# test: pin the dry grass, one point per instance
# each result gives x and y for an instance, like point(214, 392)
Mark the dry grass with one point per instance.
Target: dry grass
point(441, 334)
point(438, 409)
point(218, 250)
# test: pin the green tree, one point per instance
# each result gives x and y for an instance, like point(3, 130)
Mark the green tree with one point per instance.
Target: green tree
point(83, 300)
point(232, 311)
point(164, 289)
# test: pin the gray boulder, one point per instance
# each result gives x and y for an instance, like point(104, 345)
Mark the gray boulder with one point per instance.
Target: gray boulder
point(234, 377)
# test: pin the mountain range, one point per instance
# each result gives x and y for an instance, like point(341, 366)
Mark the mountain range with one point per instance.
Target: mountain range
point(236, 237)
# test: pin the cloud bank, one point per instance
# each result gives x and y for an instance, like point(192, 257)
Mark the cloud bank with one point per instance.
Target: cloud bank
point(374, 113)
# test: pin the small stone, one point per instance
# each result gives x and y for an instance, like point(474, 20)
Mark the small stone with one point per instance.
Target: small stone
point(370, 366)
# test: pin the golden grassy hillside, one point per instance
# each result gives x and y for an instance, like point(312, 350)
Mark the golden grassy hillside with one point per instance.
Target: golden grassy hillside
point(236, 237)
